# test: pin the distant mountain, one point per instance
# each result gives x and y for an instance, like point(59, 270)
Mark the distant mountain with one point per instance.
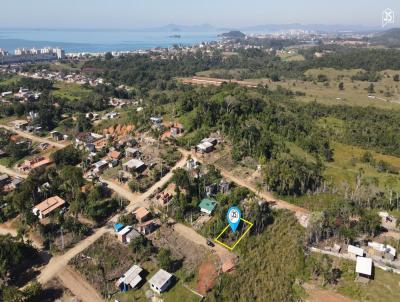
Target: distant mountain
point(184, 28)
point(330, 28)
point(233, 34)
point(388, 38)
point(269, 28)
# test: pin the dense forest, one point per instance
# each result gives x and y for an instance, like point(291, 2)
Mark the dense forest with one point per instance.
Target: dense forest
point(154, 71)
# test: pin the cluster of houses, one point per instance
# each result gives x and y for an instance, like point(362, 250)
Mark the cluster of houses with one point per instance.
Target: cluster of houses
point(93, 116)
point(159, 282)
point(126, 151)
point(145, 226)
point(23, 94)
point(27, 125)
point(61, 76)
point(364, 265)
point(169, 129)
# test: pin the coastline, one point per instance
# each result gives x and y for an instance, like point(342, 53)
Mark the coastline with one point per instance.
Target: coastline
point(90, 42)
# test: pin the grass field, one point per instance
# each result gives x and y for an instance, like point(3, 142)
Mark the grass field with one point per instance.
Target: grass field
point(71, 91)
point(344, 169)
point(387, 91)
point(292, 56)
point(11, 80)
point(354, 93)
point(234, 72)
point(70, 67)
point(384, 287)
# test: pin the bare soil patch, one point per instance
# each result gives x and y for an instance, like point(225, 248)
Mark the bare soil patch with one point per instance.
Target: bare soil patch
point(181, 248)
point(207, 276)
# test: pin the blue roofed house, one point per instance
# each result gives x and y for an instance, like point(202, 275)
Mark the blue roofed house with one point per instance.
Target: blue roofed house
point(118, 227)
point(207, 205)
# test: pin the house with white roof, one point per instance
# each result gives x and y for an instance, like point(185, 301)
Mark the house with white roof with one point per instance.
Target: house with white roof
point(130, 279)
point(364, 267)
point(357, 251)
point(160, 281)
point(133, 165)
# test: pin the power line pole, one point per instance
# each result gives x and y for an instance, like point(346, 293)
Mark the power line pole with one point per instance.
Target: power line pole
point(62, 239)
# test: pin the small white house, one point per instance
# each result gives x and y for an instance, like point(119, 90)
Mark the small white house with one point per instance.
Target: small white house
point(205, 147)
point(156, 119)
point(355, 250)
point(100, 166)
point(364, 267)
point(130, 279)
point(133, 165)
point(160, 281)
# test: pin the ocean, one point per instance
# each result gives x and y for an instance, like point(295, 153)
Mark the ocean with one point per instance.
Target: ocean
point(83, 40)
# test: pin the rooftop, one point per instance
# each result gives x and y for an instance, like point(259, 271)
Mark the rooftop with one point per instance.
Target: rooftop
point(131, 277)
point(355, 250)
point(208, 204)
point(364, 266)
point(50, 204)
point(134, 163)
point(160, 278)
point(141, 213)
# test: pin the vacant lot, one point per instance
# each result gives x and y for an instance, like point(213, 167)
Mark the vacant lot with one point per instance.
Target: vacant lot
point(103, 263)
point(354, 93)
point(71, 91)
point(181, 248)
point(387, 91)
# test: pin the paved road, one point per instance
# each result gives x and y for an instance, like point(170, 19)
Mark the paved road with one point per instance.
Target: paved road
point(34, 137)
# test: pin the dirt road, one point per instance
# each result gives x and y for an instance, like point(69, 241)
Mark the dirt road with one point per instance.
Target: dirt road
point(195, 237)
point(78, 285)
point(12, 172)
point(142, 200)
point(137, 200)
point(58, 263)
point(301, 213)
point(34, 137)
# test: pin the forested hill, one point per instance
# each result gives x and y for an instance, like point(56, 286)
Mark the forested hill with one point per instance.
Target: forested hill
point(389, 38)
point(150, 71)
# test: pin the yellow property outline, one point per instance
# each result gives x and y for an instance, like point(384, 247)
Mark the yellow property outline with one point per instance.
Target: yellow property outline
point(241, 237)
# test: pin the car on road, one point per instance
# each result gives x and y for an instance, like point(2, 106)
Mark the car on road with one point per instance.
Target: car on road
point(210, 243)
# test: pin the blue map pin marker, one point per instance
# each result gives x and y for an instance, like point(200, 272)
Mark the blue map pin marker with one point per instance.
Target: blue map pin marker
point(233, 217)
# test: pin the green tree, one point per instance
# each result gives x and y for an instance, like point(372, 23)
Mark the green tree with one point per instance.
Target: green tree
point(108, 56)
point(371, 88)
point(164, 259)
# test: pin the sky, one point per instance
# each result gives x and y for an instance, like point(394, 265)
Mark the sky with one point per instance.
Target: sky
point(131, 14)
